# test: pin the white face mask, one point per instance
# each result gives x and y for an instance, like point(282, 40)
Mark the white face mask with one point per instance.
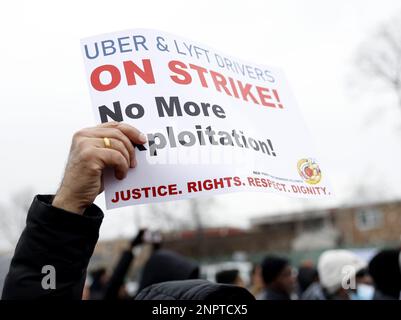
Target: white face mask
point(363, 292)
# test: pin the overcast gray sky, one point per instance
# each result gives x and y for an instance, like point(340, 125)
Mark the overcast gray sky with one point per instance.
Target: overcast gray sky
point(44, 96)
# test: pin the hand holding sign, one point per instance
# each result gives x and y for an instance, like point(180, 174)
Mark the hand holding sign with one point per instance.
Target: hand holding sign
point(89, 156)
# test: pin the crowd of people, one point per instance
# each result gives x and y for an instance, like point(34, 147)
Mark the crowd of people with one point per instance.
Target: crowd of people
point(62, 230)
point(339, 275)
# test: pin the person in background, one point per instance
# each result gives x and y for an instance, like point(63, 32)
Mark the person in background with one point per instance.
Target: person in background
point(337, 271)
point(364, 286)
point(230, 277)
point(307, 274)
point(257, 285)
point(99, 281)
point(115, 287)
point(385, 269)
point(364, 277)
point(278, 277)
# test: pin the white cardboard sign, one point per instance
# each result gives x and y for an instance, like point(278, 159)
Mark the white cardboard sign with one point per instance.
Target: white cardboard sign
point(214, 123)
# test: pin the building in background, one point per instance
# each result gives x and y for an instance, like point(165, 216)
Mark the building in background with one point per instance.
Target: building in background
point(300, 235)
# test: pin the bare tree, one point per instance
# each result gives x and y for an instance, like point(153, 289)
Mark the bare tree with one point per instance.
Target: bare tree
point(13, 215)
point(180, 215)
point(379, 57)
point(198, 210)
point(166, 216)
point(378, 69)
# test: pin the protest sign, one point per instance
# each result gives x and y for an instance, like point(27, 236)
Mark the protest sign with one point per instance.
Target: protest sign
point(214, 123)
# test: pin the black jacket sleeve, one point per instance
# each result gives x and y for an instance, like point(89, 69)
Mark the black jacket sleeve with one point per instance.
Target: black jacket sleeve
point(57, 238)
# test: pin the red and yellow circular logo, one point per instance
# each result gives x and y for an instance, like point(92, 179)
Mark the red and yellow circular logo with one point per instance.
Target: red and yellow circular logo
point(309, 171)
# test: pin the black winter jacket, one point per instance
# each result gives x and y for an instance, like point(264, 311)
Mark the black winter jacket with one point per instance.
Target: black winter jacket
point(65, 241)
point(195, 290)
point(57, 238)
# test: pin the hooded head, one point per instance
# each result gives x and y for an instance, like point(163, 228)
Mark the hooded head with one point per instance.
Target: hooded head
point(165, 265)
point(385, 269)
point(335, 266)
point(229, 277)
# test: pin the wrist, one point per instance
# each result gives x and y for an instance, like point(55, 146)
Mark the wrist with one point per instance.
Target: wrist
point(62, 201)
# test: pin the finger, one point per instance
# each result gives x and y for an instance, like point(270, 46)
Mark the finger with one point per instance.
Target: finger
point(131, 132)
point(100, 132)
point(116, 145)
point(113, 158)
point(99, 143)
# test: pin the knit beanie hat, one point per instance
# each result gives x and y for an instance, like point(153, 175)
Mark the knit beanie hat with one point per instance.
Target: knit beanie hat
point(334, 266)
